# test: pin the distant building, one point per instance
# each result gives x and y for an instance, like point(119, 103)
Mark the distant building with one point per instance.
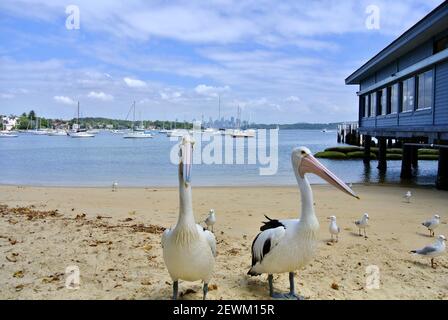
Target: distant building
point(9, 122)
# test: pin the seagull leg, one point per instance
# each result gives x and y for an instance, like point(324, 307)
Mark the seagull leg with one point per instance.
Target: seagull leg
point(337, 238)
point(205, 290)
point(365, 234)
point(175, 289)
point(432, 263)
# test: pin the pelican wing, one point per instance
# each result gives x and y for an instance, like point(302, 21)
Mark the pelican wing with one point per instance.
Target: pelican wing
point(265, 241)
point(165, 236)
point(210, 237)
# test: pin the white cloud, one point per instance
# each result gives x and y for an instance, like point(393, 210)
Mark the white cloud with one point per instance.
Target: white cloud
point(292, 99)
point(210, 91)
point(100, 96)
point(64, 100)
point(134, 83)
point(6, 95)
point(168, 95)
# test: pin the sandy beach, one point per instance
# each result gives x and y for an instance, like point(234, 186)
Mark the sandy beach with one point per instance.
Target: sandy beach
point(114, 239)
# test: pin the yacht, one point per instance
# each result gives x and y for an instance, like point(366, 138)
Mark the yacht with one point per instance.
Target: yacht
point(78, 132)
point(137, 133)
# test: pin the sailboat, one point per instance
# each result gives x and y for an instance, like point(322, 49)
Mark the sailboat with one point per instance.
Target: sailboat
point(135, 134)
point(38, 131)
point(78, 132)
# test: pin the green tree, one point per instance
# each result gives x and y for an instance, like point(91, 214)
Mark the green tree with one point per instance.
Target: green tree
point(32, 115)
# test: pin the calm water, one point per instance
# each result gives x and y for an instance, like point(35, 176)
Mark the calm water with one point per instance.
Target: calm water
point(64, 161)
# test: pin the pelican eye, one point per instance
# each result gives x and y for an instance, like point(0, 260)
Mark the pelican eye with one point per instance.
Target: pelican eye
point(303, 152)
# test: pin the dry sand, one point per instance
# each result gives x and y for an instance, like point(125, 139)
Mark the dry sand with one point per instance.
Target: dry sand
point(117, 244)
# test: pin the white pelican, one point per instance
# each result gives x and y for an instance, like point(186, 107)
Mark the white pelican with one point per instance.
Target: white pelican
point(434, 250)
point(211, 219)
point(287, 245)
point(334, 229)
point(431, 224)
point(188, 250)
point(362, 224)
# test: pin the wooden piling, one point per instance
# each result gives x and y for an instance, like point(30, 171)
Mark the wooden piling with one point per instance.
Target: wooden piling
point(442, 173)
point(367, 144)
point(406, 163)
point(382, 162)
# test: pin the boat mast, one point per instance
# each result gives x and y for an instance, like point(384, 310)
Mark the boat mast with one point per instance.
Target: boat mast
point(133, 119)
point(77, 119)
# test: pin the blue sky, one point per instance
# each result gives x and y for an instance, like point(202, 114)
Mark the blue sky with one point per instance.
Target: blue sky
point(280, 62)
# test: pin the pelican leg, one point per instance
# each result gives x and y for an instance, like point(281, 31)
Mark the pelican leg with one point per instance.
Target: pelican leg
point(175, 289)
point(205, 290)
point(290, 296)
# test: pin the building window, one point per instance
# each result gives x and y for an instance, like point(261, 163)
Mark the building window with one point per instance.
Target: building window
point(440, 45)
point(373, 103)
point(394, 98)
point(408, 95)
point(383, 102)
point(425, 89)
point(364, 106)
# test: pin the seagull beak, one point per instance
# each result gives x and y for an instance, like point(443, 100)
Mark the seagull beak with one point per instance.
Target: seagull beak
point(310, 164)
point(187, 161)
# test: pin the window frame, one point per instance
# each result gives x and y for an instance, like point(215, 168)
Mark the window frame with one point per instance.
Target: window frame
point(431, 91)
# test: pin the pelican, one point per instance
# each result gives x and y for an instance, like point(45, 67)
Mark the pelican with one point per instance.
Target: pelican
point(334, 229)
point(362, 224)
point(188, 250)
point(431, 224)
point(288, 245)
point(434, 250)
point(211, 219)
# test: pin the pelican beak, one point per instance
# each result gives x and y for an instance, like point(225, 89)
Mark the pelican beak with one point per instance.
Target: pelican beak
point(310, 164)
point(187, 161)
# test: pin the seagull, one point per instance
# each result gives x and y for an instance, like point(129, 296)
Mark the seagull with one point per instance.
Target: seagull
point(189, 251)
point(211, 219)
point(434, 250)
point(431, 224)
point(334, 229)
point(114, 186)
point(363, 224)
point(408, 196)
point(288, 245)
